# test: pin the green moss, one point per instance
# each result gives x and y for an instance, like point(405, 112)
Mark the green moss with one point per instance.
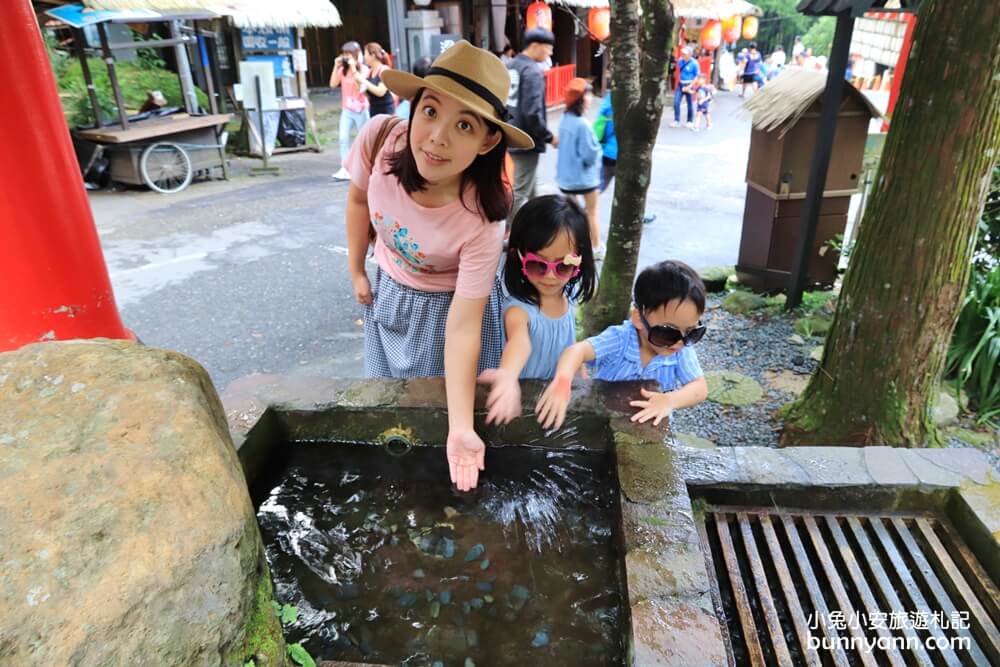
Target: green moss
point(263, 633)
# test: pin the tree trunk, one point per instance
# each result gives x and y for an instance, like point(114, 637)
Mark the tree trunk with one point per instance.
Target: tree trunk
point(640, 48)
point(909, 271)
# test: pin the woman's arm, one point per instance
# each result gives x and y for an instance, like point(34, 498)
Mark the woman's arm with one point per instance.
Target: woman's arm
point(358, 220)
point(336, 73)
point(377, 89)
point(463, 333)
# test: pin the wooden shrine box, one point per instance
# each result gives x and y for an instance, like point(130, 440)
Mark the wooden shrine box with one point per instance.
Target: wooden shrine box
point(785, 118)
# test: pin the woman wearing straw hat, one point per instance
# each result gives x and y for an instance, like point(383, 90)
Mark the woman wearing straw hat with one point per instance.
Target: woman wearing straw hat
point(434, 193)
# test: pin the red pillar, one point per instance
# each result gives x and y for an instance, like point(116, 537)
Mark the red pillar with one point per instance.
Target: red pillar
point(54, 284)
point(897, 73)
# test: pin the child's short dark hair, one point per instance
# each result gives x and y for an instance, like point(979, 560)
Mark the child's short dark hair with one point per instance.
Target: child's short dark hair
point(666, 281)
point(535, 226)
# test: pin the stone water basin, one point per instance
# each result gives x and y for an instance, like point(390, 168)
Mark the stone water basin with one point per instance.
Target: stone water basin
point(578, 548)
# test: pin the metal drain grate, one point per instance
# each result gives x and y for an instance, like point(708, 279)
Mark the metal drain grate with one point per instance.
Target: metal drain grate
point(812, 588)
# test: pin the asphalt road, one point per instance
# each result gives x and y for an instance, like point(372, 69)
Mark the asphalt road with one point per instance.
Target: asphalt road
point(250, 275)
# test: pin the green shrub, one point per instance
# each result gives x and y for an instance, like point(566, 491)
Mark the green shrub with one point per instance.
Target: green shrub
point(974, 355)
point(135, 78)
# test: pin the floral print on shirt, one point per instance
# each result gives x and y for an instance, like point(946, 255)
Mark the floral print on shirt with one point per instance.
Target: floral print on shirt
point(407, 251)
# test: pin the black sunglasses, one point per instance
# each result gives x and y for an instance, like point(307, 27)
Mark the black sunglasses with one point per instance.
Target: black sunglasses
point(664, 335)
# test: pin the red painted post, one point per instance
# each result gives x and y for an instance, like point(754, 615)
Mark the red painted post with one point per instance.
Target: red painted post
point(897, 74)
point(54, 284)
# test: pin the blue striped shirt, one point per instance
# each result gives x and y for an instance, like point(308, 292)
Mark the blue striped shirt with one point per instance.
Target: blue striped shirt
point(617, 360)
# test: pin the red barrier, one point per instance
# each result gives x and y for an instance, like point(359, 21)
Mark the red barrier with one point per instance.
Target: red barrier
point(55, 283)
point(556, 80)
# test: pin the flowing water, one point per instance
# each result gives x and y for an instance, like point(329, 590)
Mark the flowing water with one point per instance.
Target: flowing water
point(388, 565)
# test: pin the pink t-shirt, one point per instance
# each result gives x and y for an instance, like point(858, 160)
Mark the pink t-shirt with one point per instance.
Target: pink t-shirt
point(442, 249)
point(350, 92)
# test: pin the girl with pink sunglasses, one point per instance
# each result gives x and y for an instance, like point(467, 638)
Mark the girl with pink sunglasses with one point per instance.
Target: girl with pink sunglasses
point(548, 270)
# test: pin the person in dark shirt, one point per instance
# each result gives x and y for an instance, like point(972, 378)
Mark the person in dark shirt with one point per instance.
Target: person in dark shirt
point(526, 104)
point(379, 98)
point(751, 69)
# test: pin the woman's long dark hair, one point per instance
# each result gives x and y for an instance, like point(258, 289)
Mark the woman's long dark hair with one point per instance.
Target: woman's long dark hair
point(485, 174)
point(535, 226)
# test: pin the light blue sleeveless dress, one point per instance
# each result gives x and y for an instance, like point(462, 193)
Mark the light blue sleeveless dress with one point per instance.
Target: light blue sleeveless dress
point(549, 338)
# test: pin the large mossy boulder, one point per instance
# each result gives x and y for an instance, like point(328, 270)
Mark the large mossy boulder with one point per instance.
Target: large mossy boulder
point(127, 536)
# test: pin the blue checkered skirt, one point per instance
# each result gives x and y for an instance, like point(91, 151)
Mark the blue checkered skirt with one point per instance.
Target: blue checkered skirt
point(404, 330)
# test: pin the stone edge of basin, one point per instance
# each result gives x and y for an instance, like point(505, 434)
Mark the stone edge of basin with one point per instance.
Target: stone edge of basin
point(671, 619)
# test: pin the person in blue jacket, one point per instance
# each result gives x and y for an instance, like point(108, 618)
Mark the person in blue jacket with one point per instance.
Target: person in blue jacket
point(687, 66)
point(604, 130)
point(578, 165)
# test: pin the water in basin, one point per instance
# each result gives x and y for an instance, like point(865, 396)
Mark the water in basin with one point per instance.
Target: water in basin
point(387, 565)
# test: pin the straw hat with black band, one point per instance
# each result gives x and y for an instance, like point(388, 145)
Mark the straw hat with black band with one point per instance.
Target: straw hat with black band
point(474, 77)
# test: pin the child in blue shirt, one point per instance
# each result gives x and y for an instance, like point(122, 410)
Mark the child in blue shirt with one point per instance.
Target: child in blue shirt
point(549, 268)
point(653, 344)
point(704, 94)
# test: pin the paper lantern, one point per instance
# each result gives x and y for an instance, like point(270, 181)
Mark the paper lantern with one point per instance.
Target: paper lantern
point(539, 16)
point(731, 28)
point(599, 22)
point(750, 27)
point(711, 35)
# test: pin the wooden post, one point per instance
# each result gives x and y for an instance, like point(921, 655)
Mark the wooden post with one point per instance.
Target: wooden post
point(78, 41)
point(184, 71)
point(109, 60)
point(821, 157)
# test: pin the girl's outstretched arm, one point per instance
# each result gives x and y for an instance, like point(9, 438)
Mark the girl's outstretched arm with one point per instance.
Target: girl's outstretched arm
point(463, 332)
point(551, 407)
point(504, 401)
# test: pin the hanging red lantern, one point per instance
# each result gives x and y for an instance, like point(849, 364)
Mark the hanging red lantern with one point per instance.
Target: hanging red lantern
point(539, 15)
point(731, 28)
point(599, 22)
point(711, 35)
point(750, 27)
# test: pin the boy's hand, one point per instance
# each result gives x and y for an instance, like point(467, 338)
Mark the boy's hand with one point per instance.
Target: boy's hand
point(551, 407)
point(657, 406)
point(466, 457)
point(504, 402)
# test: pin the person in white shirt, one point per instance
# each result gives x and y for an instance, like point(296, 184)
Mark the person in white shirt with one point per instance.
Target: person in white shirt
point(797, 48)
point(778, 57)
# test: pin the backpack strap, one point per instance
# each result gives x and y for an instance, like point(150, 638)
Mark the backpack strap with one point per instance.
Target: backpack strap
point(380, 137)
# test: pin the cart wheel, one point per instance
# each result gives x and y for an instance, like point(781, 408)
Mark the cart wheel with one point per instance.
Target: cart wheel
point(165, 167)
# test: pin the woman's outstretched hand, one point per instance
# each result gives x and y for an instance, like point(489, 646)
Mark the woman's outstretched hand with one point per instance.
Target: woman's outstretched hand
point(504, 401)
point(362, 288)
point(466, 457)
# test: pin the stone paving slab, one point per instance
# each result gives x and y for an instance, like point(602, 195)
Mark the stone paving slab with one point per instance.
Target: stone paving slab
point(886, 466)
point(832, 466)
point(677, 632)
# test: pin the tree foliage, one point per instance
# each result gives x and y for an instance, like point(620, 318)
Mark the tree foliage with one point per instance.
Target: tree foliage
point(780, 24)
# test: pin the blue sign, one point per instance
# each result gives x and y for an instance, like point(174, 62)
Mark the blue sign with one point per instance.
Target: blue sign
point(282, 64)
point(79, 16)
point(267, 40)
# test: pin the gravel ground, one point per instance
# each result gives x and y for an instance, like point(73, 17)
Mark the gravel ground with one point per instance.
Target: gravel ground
point(755, 345)
point(751, 346)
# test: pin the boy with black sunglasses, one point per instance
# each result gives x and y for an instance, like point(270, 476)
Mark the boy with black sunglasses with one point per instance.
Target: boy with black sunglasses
point(653, 344)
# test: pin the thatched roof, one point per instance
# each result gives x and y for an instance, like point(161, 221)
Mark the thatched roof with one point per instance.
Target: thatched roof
point(714, 9)
point(779, 104)
point(688, 9)
point(585, 4)
point(245, 13)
